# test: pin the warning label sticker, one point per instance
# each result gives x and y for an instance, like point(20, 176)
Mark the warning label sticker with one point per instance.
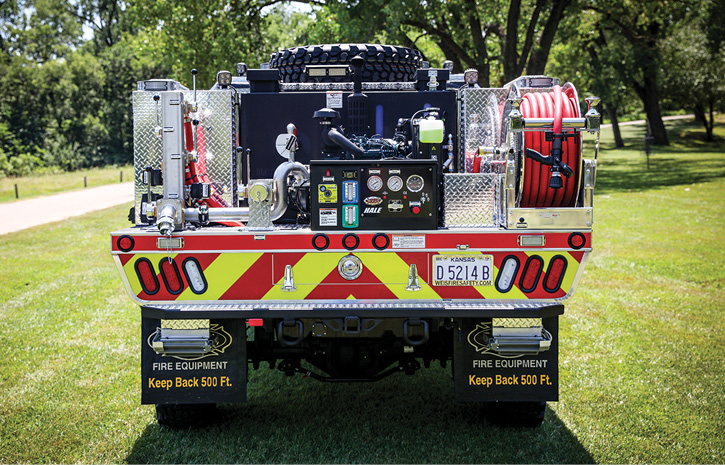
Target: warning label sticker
point(328, 216)
point(334, 99)
point(408, 241)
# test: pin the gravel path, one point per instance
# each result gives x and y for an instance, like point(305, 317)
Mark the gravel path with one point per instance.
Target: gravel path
point(48, 209)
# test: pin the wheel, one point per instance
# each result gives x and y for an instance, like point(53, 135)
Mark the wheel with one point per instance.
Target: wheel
point(522, 414)
point(185, 415)
point(382, 62)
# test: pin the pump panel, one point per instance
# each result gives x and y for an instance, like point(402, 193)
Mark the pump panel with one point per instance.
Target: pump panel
point(374, 195)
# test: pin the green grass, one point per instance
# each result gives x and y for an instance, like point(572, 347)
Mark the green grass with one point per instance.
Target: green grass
point(642, 347)
point(53, 183)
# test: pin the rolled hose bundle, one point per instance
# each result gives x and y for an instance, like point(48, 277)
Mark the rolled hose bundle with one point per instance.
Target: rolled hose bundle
point(535, 187)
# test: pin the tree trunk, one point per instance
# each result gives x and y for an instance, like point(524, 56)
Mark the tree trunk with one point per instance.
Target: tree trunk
point(699, 112)
point(612, 113)
point(510, 58)
point(537, 62)
point(709, 128)
point(649, 95)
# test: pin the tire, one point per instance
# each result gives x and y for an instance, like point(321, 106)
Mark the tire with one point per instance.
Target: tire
point(516, 414)
point(185, 415)
point(382, 62)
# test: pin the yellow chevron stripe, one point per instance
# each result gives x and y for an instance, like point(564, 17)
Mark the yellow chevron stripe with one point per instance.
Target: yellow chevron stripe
point(392, 271)
point(308, 272)
point(221, 274)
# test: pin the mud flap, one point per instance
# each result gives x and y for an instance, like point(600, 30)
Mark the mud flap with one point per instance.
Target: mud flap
point(219, 376)
point(483, 375)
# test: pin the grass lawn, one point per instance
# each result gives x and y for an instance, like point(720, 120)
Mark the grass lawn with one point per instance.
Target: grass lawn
point(642, 350)
point(34, 186)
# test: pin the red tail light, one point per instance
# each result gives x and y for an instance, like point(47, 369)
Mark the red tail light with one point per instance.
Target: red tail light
point(171, 275)
point(147, 276)
point(555, 274)
point(531, 273)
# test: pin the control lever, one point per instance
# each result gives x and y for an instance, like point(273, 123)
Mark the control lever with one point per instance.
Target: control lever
point(557, 166)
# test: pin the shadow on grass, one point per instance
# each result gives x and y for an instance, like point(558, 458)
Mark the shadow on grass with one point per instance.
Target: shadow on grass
point(398, 420)
point(690, 159)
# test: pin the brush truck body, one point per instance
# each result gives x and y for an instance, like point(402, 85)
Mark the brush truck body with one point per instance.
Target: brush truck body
point(349, 213)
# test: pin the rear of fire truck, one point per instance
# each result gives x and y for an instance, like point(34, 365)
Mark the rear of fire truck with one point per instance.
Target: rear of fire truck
point(350, 213)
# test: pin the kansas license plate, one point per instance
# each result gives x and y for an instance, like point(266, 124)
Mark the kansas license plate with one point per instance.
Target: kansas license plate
point(463, 270)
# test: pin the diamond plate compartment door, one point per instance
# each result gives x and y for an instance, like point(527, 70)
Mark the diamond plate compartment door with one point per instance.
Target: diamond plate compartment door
point(215, 141)
point(482, 113)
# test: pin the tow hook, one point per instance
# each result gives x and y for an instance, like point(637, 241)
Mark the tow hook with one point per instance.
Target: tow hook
point(290, 341)
point(415, 339)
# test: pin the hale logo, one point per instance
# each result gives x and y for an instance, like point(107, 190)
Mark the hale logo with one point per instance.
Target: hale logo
point(372, 210)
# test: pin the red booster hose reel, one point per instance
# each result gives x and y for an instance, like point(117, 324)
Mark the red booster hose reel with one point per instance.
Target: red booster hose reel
point(556, 149)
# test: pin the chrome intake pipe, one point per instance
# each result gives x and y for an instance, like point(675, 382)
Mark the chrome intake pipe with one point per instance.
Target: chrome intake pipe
point(279, 197)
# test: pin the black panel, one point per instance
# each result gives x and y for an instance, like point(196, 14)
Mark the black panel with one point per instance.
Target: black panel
point(264, 115)
point(345, 194)
point(220, 377)
point(483, 376)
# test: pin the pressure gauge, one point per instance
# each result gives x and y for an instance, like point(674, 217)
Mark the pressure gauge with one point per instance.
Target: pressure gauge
point(395, 183)
point(375, 183)
point(415, 183)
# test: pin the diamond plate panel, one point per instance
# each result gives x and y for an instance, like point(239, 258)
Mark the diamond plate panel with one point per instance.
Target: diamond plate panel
point(215, 138)
point(516, 322)
point(472, 200)
point(185, 324)
point(481, 122)
point(147, 145)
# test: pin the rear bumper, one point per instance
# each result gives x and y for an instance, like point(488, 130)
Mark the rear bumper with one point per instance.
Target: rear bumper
point(276, 310)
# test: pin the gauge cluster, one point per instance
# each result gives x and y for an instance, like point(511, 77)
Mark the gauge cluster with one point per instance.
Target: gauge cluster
point(389, 194)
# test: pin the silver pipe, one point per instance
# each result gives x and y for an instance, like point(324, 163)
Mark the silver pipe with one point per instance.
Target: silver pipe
point(566, 123)
point(281, 175)
point(219, 214)
point(279, 201)
point(166, 219)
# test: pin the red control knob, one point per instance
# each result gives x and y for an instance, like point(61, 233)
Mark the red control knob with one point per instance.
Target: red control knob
point(415, 210)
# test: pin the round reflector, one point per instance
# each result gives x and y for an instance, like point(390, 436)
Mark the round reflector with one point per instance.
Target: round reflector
point(125, 243)
point(320, 241)
point(381, 241)
point(577, 240)
point(350, 241)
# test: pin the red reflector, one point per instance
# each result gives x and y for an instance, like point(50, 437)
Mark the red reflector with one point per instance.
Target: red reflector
point(171, 275)
point(125, 243)
point(350, 241)
point(555, 274)
point(532, 271)
point(255, 322)
point(147, 276)
point(381, 241)
point(576, 241)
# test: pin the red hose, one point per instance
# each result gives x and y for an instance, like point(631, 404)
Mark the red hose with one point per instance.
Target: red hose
point(196, 172)
point(557, 105)
point(188, 135)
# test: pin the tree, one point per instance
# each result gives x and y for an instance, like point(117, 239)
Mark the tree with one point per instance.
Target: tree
point(643, 24)
point(693, 70)
point(490, 36)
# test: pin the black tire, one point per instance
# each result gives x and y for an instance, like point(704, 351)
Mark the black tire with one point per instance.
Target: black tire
point(185, 415)
point(516, 414)
point(382, 62)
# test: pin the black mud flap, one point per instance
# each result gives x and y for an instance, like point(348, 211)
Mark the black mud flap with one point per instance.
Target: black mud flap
point(484, 375)
point(219, 376)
